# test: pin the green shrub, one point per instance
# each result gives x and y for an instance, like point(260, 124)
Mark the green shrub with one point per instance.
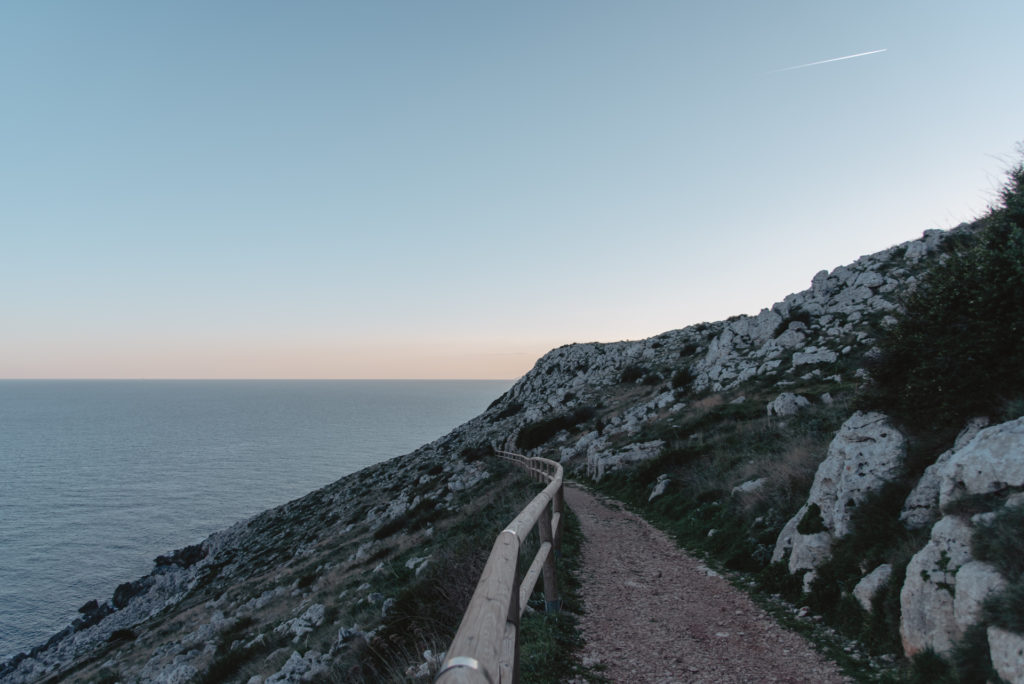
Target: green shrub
point(535, 434)
point(683, 378)
point(632, 373)
point(1000, 541)
point(1006, 608)
point(121, 635)
point(971, 657)
point(957, 349)
point(475, 453)
point(512, 409)
point(930, 668)
point(796, 314)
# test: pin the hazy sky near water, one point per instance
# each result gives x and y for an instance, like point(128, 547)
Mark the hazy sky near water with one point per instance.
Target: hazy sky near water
point(449, 189)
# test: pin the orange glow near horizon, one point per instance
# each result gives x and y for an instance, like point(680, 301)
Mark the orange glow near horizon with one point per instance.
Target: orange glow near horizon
point(385, 361)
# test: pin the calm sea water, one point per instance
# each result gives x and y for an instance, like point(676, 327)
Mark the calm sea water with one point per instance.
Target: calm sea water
point(97, 478)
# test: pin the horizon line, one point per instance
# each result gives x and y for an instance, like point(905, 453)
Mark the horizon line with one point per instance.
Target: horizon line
point(200, 379)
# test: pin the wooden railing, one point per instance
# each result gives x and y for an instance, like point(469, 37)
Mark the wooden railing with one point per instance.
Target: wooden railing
point(486, 647)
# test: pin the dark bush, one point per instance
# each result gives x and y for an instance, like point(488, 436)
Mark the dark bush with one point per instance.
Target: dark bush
point(688, 350)
point(796, 314)
point(185, 557)
point(121, 635)
point(958, 348)
point(425, 512)
point(535, 434)
point(475, 453)
point(971, 657)
point(652, 378)
point(512, 409)
point(812, 522)
point(632, 373)
point(1000, 541)
point(1006, 608)
point(682, 378)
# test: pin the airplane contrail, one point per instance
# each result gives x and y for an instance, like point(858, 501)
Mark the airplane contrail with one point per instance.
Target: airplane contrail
point(826, 61)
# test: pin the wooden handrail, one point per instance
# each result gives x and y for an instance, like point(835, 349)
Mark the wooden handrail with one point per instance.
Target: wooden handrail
point(486, 647)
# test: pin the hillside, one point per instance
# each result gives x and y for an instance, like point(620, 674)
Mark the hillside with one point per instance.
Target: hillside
point(856, 448)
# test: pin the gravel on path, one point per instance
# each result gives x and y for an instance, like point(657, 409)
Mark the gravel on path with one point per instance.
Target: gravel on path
point(653, 613)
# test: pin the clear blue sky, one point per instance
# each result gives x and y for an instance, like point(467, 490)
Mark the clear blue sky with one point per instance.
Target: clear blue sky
point(449, 189)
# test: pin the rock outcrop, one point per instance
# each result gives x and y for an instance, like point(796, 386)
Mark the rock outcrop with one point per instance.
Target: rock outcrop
point(869, 585)
point(945, 586)
point(927, 619)
point(787, 404)
point(866, 453)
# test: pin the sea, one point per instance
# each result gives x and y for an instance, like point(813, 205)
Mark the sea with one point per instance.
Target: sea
point(97, 478)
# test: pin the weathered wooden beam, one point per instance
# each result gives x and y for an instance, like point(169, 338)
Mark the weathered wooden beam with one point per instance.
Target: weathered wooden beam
point(486, 646)
point(532, 575)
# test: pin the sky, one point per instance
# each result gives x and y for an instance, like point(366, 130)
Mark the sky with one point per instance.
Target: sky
point(449, 189)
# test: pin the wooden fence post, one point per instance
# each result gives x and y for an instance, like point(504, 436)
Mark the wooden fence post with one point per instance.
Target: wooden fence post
point(551, 601)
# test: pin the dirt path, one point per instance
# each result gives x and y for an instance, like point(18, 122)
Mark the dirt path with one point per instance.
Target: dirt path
point(655, 614)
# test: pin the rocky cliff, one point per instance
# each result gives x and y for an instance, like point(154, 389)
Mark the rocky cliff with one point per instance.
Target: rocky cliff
point(741, 437)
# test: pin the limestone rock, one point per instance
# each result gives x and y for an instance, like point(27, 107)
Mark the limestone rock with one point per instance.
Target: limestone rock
point(991, 462)
point(809, 551)
point(179, 673)
point(1007, 651)
point(787, 404)
point(750, 486)
point(975, 580)
point(927, 617)
point(814, 355)
point(784, 544)
point(870, 584)
point(293, 670)
point(601, 462)
point(922, 505)
point(866, 453)
point(659, 487)
point(305, 623)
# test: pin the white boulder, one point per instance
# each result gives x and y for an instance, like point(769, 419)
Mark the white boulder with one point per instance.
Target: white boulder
point(809, 551)
point(659, 487)
point(991, 462)
point(813, 355)
point(927, 617)
point(866, 453)
point(1007, 651)
point(601, 462)
point(750, 486)
point(787, 404)
point(975, 580)
point(870, 584)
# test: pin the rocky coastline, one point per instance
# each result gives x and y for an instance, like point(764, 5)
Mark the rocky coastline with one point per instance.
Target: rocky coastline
point(291, 593)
